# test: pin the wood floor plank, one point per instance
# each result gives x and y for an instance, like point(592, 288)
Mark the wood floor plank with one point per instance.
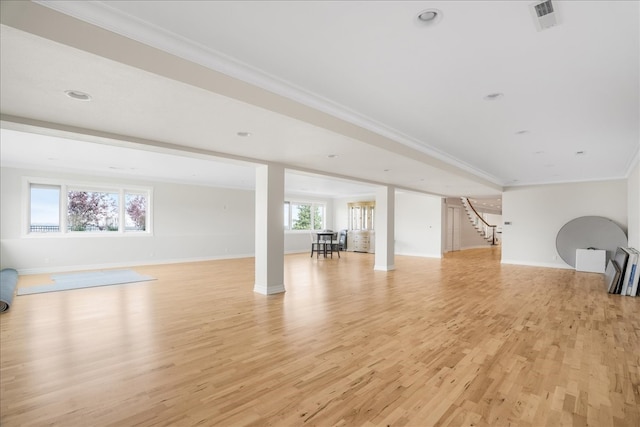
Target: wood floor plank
point(457, 341)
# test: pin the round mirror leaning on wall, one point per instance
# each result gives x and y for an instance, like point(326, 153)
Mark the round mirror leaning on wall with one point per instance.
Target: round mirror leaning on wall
point(589, 232)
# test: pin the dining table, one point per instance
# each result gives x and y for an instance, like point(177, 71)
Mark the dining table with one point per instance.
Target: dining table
point(325, 238)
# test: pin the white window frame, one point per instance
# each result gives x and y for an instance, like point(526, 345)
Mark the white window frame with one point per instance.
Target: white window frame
point(69, 185)
point(288, 205)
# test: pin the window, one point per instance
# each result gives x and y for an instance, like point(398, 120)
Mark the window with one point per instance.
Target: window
point(76, 209)
point(135, 211)
point(318, 217)
point(287, 215)
point(92, 211)
point(361, 215)
point(304, 216)
point(45, 208)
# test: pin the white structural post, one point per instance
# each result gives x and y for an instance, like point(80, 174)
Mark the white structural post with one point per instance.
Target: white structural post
point(384, 226)
point(269, 230)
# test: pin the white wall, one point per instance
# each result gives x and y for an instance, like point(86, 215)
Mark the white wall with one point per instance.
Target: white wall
point(494, 219)
point(189, 223)
point(417, 222)
point(537, 213)
point(418, 225)
point(296, 242)
point(633, 202)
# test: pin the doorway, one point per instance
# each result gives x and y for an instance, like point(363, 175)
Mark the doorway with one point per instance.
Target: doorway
point(453, 229)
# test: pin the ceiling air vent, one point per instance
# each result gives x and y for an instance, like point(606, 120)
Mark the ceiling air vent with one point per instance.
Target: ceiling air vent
point(544, 15)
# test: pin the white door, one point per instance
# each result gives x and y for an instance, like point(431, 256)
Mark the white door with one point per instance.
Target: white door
point(453, 229)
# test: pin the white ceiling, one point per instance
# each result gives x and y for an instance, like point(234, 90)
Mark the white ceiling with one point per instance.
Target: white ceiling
point(399, 103)
point(59, 154)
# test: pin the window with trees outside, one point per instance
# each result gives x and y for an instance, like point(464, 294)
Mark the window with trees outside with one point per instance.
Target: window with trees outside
point(304, 216)
point(70, 208)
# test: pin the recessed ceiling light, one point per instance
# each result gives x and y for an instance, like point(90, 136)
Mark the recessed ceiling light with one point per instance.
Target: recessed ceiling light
point(387, 170)
point(580, 153)
point(539, 152)
point(332, 156)
point(243, 134)
point(493, 96)
point(430, 16)
point(77, 95)
point(522, 132)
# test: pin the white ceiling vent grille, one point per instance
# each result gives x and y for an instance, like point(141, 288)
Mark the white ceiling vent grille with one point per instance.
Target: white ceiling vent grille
point(544, 15)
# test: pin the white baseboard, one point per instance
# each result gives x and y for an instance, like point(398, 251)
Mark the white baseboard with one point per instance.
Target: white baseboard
point(536, 264)
point(384, 267)
point(269, 290)
point(297, 251)
point(68, 268)
point(419, 254)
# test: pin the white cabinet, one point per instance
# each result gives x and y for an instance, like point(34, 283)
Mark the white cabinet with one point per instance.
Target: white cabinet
point(361, 241)
point(361, 237)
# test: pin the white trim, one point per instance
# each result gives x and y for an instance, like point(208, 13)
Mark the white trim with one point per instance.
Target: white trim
point(536, 264)
point(418, 254)
point(70, 184)
point(570, 181)
point(635, 160)
point(269, 290)
point(384, 267)
point(139, 263)
point(288, 229)
point(85, 234)
point(298, 251)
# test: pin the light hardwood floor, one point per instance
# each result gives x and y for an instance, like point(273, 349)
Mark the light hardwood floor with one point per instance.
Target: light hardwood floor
point(460, 341)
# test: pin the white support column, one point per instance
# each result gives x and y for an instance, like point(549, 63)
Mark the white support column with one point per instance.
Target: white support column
point(384, 226)
point(269, 230)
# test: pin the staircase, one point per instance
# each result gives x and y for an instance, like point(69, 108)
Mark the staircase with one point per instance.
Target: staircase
point(486, 230)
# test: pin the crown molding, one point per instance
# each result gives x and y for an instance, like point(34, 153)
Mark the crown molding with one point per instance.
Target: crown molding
point(633, 162)
point(101, 15)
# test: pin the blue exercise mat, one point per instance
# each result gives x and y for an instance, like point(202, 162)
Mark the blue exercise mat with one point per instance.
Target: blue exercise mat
point(8, 283)
point(65, 282)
